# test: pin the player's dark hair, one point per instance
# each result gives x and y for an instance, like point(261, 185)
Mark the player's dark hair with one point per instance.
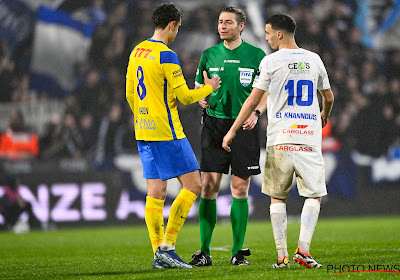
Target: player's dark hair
point(164, 14)
point(240, 15)
point(282, 21)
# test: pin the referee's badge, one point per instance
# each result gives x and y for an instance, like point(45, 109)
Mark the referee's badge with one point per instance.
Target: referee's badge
point(245, 76)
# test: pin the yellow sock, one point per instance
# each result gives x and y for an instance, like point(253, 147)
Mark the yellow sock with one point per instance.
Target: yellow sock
point(154, 220)
point(179, 210)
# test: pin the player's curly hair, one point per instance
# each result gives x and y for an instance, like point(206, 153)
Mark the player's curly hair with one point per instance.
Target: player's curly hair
point(164, 14)
point(240, 15)
point(282, 21)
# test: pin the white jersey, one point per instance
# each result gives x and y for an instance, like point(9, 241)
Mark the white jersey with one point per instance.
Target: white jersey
point(292, 77)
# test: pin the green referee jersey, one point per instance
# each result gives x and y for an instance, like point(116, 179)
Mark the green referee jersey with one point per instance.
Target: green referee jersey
point(237, 69)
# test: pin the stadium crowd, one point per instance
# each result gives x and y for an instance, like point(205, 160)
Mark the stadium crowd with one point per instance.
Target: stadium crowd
point(96, 122)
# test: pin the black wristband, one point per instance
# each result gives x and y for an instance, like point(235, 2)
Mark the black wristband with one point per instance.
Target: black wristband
point(257, 112)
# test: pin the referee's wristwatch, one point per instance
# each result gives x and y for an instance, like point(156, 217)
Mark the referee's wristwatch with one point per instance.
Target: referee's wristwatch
point(258, 113)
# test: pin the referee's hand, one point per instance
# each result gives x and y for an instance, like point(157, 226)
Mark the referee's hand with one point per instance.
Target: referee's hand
point(228, 140)
point(203, 103)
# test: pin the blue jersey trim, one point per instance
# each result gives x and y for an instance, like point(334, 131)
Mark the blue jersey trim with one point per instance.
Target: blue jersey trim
point(171, 125)
point(169, 57)
point(155, 41)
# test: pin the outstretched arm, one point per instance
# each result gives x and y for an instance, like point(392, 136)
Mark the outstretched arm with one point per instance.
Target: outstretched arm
point(251, 122)
point(188, 96)
point(247, 109)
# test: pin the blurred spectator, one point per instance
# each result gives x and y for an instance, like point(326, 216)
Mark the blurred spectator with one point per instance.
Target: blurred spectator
point(394, 64)
point(105, 146)
point(109, 40)
point(116, 83)
point(340, 19)
point(88, 134)
point(17, 142)
point(62, 139)
point(372, 129)
point(125, 141)
point(115, 52)
point(8, 79)
point(94, 14)
point(355, 47)
point(51, 135)
point(367, 77)
point(72, 105)
point(394, 150)
point(20, 92)
point(87, 94)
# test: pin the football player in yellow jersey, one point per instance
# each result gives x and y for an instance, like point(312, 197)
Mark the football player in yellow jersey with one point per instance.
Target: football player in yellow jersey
point(154, 82)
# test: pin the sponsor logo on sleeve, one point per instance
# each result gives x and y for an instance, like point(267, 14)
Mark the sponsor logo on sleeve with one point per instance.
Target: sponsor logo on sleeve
point(257, 76)
point(178, 73)
point(216, 69)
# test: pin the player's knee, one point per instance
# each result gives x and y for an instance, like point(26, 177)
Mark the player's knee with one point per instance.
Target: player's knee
point(195, 188)
point(209, 190)
point(210, 184)
point(209, 193)
point(240, 191)
point(160, 193)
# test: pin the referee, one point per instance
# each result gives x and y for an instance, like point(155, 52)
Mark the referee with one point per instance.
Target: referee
point(236, 63)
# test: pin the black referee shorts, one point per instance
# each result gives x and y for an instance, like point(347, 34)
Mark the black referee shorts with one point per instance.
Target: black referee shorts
point(245, 149)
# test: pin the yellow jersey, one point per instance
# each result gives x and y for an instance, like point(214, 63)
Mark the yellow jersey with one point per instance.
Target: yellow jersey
point(154, 72)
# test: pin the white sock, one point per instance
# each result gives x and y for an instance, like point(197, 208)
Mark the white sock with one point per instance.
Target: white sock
point(166, 247)
point(309, 218)
point(279, 226)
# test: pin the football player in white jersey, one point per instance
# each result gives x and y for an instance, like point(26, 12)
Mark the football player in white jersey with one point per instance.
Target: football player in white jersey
point(290, 77)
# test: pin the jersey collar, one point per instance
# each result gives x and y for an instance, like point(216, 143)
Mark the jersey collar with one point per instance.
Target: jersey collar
point(235, 49)
point(155, 41)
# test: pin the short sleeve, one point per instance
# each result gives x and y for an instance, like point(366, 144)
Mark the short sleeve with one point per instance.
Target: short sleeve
point(263, 77)
point(199, 81)
point(261, 55)
point(323, 80)
point(172, 69)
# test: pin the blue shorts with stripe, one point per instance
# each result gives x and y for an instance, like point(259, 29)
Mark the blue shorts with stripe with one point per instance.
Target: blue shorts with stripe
point(166, 159)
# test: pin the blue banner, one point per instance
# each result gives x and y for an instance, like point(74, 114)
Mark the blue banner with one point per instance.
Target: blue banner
point(379, 22)
point(60, 43)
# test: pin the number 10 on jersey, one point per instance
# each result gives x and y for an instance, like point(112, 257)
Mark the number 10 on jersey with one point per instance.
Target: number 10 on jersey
point(290, 87)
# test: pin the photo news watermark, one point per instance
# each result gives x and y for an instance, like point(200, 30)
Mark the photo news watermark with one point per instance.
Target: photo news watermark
point(348, 268)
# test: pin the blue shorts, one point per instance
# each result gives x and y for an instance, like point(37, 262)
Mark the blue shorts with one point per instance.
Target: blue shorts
point(166, 159)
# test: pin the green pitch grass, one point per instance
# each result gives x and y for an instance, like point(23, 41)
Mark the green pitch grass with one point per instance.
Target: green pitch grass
point(125, 252)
